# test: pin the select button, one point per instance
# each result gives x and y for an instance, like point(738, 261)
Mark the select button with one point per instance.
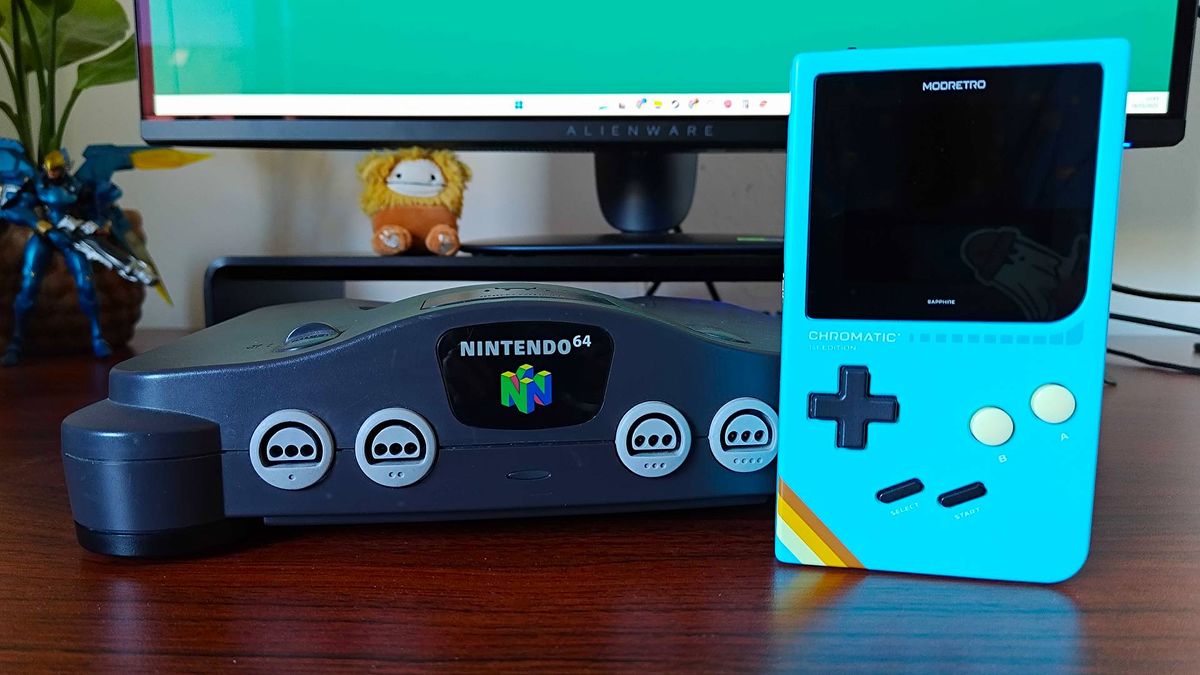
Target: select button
point(899, 491)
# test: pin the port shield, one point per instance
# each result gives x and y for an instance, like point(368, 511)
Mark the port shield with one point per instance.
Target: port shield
point(395, 447)
point(653, 439)
point(744, 435)
point(291, 449)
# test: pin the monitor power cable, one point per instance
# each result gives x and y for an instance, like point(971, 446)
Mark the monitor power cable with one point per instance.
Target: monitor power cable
point(1154, 295)
point(1165, 325)
point(1177, 367)
point(1155, 323)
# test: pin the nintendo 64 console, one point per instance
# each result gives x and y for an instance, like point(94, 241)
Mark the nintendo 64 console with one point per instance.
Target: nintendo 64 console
point(482, 401)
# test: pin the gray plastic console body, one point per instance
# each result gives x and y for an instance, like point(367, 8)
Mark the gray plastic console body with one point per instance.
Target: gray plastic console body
point(163, 466)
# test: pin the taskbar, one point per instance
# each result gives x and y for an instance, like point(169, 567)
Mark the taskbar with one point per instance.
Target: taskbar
point(511, 105)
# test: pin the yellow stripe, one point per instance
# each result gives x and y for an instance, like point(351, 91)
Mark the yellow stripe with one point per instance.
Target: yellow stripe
point(793, 544)
point(806, 533)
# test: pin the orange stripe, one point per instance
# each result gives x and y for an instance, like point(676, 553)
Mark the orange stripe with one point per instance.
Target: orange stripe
point(818, 527)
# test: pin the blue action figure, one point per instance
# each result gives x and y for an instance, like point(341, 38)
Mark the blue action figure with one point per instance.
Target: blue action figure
point(76, 215)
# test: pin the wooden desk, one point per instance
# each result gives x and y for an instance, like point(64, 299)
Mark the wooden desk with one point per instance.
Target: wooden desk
point(660, 592)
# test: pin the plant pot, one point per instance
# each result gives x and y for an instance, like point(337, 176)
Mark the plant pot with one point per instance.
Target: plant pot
point(56, 325)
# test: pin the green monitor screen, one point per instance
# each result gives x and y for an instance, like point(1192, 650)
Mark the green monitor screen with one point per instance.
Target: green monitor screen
point(537, 60)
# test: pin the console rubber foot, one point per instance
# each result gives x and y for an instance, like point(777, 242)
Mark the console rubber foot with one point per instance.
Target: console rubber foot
point(188, 541)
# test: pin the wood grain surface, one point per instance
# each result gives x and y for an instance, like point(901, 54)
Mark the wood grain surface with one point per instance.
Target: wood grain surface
point(662, 592)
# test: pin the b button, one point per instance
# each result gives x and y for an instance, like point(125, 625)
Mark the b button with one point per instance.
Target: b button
point(991, 426)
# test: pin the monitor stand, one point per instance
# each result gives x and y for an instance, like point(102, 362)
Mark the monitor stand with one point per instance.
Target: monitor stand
point(646, 195)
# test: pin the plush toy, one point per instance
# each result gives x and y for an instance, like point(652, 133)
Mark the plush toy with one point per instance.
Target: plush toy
point(414, 198)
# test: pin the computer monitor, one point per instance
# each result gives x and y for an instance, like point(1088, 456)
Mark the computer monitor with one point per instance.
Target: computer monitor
point(644, 85)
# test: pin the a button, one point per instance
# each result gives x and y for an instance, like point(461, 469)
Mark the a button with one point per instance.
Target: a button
point(310, 334)
point(991, 426)
point(1053, 403)
point(963, 494)
point(853, 407)
point(899, 491)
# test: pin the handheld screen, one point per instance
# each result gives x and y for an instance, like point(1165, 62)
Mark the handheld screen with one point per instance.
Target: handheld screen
point(957, 194)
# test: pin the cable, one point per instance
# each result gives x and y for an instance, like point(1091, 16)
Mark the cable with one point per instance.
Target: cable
point(712, 290)
point(1159, 295)
point(1178, 367)
point(1155, 323)
point(1155, 295)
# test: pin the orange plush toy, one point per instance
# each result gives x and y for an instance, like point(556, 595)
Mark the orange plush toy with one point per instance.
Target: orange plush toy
point(414, 198)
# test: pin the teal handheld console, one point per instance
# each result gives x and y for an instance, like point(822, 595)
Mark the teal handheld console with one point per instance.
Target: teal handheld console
point(951, 215)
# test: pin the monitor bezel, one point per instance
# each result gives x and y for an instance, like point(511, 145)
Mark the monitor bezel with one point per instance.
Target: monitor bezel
point(676, 134)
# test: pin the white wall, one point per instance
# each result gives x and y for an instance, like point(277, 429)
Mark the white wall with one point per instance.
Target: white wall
point(1158, 237)
point(249, 202)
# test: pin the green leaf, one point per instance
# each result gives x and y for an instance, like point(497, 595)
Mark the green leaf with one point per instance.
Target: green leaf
point(89, 27)
point(47, 6)
point(40, 22)
point(119, 65)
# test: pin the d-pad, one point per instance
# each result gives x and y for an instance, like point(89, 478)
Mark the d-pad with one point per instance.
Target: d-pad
point(853, 407)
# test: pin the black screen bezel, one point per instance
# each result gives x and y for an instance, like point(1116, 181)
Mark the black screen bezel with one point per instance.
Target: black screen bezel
point(555, 133)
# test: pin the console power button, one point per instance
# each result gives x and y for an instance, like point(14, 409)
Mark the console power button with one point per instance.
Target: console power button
point(309, 335)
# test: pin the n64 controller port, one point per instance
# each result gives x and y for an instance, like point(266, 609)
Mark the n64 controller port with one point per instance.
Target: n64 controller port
point(291, 449)
point(395, 447)
point(744, 435)
point(653, 439)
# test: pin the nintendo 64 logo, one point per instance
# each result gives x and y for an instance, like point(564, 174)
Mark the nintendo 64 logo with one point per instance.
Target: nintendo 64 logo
point(524, 389)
